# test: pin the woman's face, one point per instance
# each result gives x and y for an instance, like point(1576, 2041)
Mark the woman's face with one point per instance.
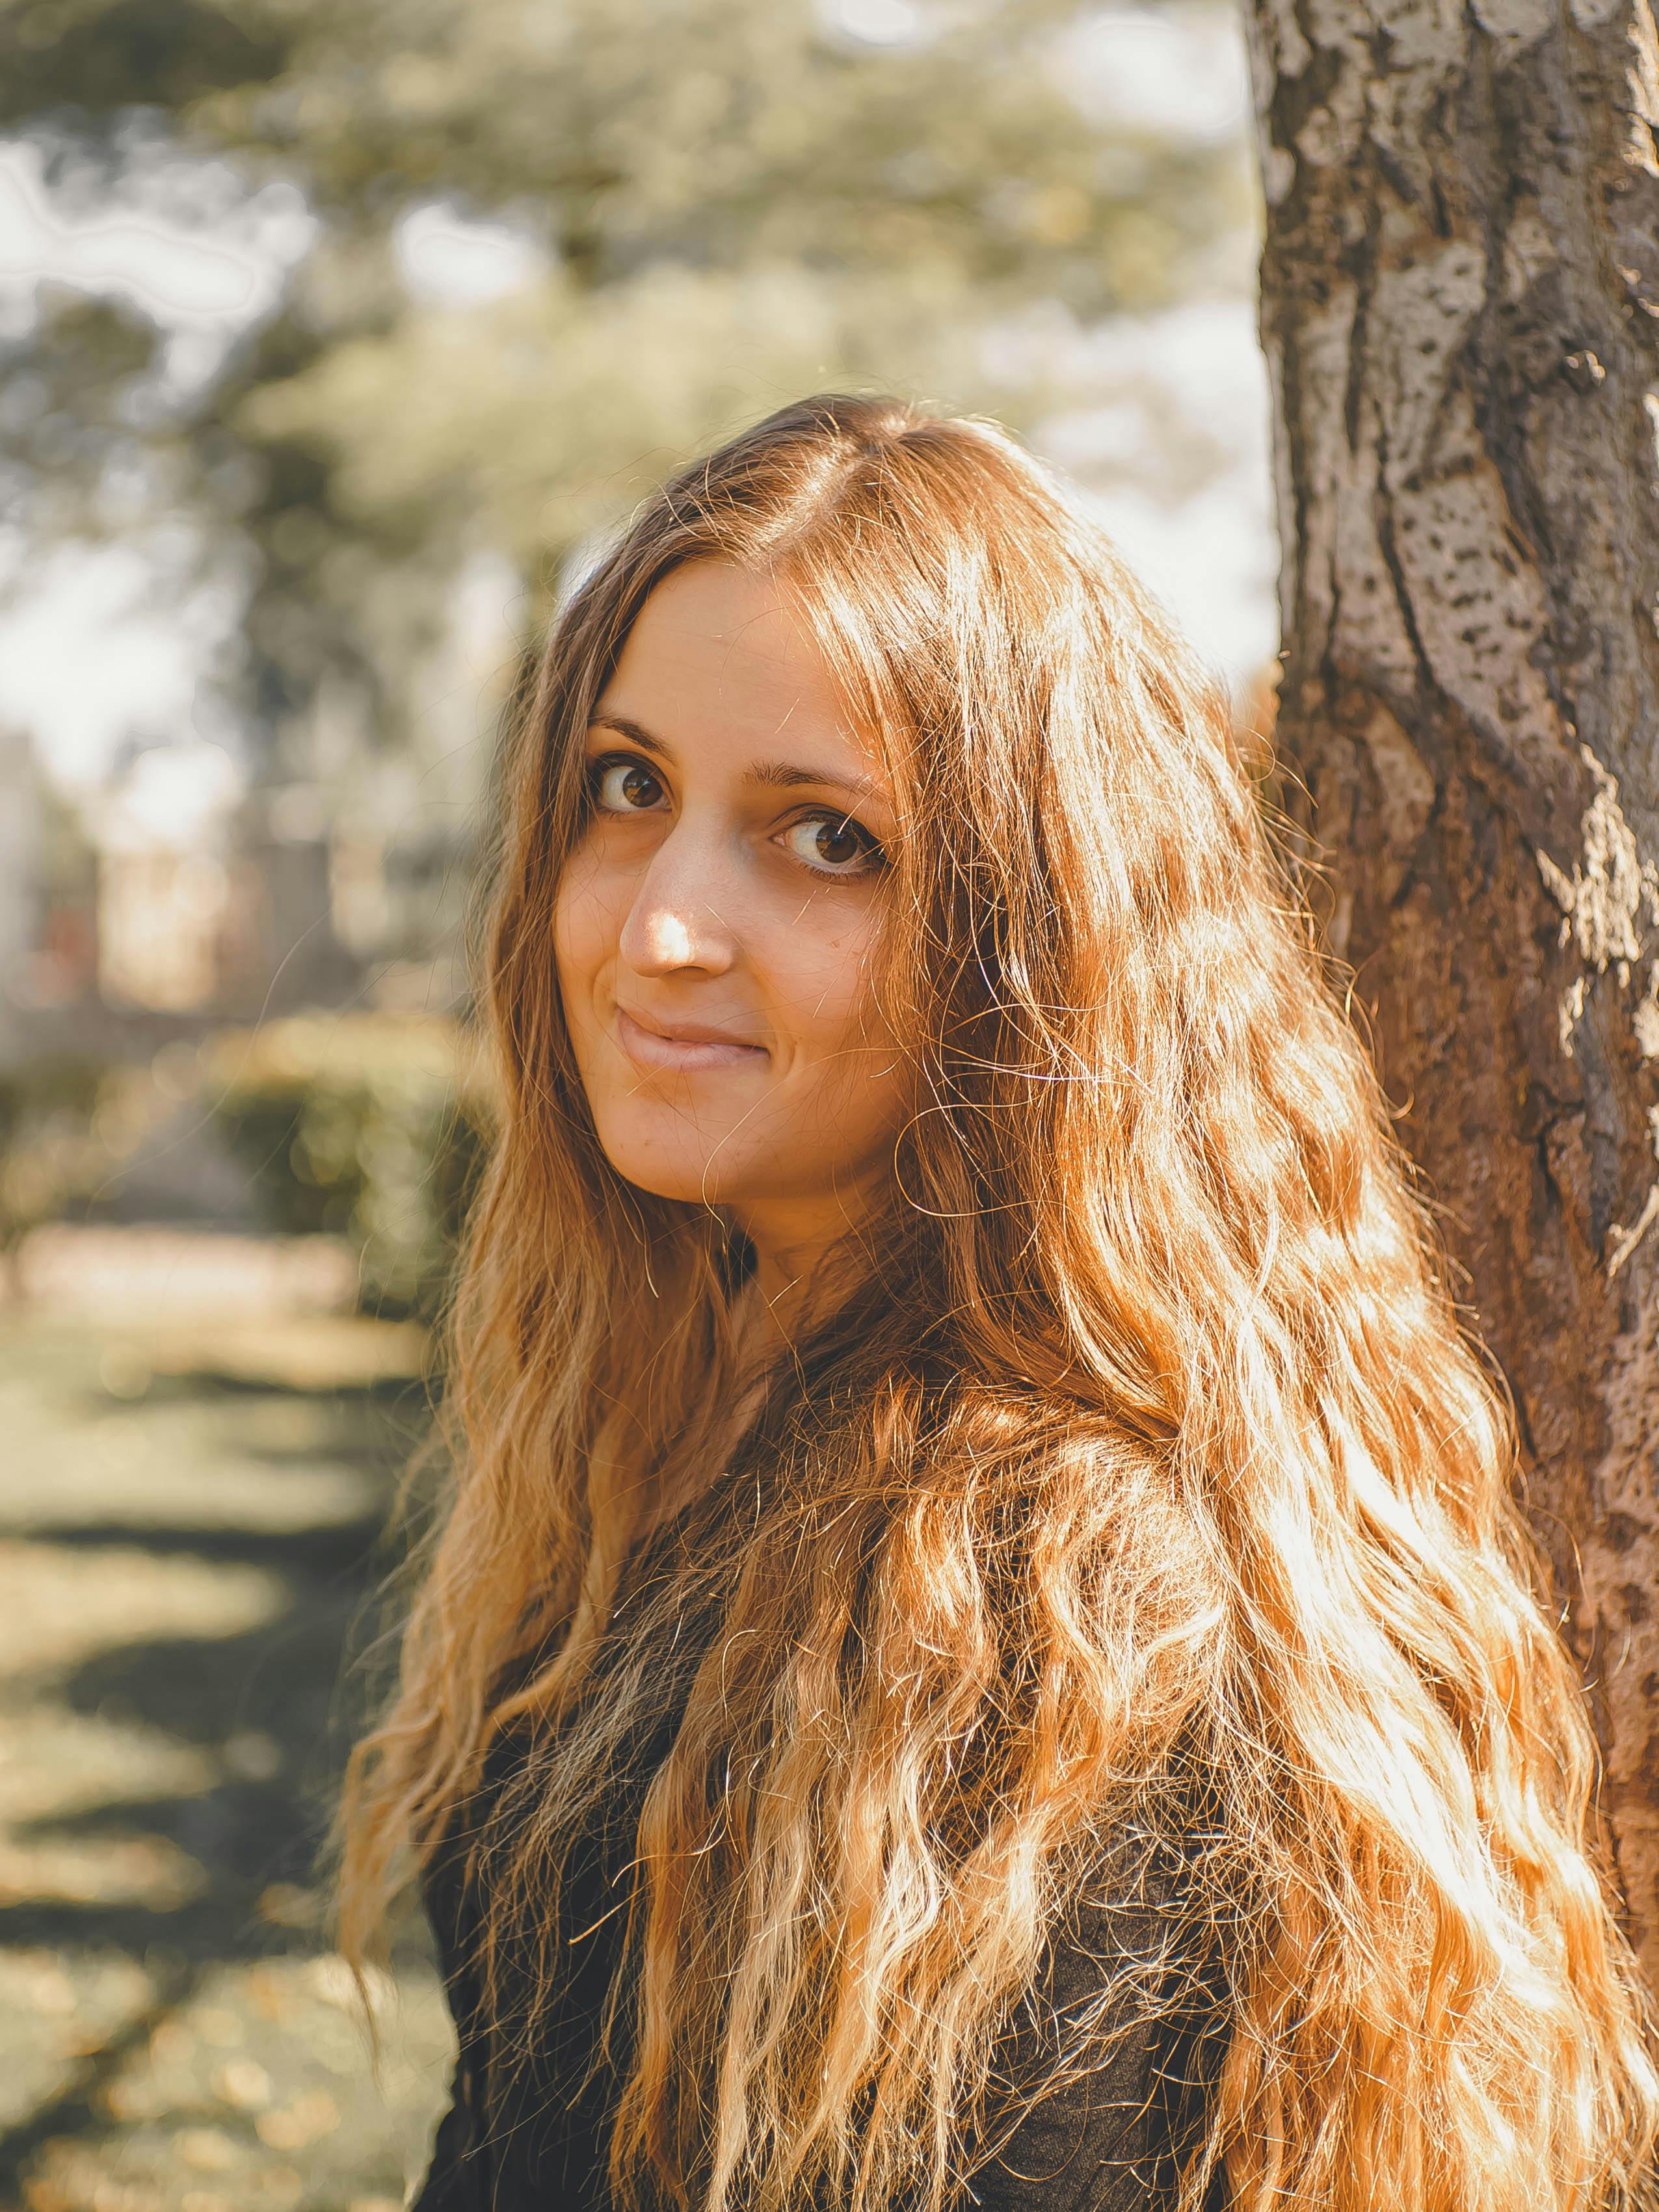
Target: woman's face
point(716, 924)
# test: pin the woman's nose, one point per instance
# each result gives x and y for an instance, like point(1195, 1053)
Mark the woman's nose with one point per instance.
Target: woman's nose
point(678, 916)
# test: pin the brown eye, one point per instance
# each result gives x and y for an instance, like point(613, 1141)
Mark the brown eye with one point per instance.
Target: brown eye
point(625, 787)
point(837, 848)
point(834, 845)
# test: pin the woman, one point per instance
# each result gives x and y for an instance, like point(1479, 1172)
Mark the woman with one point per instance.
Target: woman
point(981, 1651)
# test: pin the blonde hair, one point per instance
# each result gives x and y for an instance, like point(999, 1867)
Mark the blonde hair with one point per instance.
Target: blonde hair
point(1149, 1467)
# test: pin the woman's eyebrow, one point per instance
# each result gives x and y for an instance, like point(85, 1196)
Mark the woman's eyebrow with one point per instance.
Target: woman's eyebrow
point(782, 775)
point(786, 777)
point(626, 727)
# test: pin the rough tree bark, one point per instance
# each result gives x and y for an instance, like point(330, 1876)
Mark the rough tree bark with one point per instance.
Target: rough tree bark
point(1461, 314)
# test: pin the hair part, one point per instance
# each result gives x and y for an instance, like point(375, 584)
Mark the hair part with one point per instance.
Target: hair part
point(1148, 1466)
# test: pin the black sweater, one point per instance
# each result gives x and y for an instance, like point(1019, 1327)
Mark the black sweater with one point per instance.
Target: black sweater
point(533, 2137)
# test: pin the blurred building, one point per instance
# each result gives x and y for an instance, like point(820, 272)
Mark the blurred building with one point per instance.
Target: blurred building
point(121, 927)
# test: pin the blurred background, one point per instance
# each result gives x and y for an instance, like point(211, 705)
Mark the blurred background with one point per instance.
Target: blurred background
point(334, 337)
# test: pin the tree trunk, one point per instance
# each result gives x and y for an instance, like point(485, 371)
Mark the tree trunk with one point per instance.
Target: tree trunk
point(1461, 315)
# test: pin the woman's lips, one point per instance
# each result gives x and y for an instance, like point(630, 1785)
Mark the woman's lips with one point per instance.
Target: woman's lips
point(690, 1049)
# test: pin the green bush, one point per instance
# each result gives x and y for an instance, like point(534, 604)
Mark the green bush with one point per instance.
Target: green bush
point(59, 1114)
point(370, 1127)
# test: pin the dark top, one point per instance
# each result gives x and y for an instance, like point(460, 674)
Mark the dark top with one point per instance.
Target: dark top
point(535, 2134)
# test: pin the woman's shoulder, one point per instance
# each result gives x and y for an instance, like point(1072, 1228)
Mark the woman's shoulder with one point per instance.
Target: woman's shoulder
point(1101, 2085)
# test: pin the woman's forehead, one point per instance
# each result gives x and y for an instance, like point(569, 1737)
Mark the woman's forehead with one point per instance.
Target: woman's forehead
point(722, 656)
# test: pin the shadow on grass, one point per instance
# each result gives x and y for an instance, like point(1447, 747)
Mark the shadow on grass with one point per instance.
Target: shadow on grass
point(272, 1709)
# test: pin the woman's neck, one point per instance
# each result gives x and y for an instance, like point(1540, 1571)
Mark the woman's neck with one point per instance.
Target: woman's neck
point(789, 1291)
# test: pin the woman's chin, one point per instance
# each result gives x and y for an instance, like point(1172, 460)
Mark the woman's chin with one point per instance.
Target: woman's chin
point(696, 1179)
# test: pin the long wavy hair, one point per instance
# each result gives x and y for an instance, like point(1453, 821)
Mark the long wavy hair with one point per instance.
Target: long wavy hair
point(1146, 1469)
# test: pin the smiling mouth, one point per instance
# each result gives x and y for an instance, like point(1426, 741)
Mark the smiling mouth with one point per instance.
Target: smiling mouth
point(687, 1050)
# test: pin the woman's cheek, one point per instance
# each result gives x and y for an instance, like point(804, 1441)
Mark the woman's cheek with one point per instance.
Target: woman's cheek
point(822, 977)
point(585, 923)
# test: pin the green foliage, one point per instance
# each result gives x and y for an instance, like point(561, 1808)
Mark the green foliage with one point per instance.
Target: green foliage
point(737, 202)
point(67, 416)
point(715, 134)
point(60, 1119)
point(103, 55)
point(368, 1126)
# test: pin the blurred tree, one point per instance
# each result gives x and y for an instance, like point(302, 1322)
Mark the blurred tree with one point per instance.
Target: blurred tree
point(1461, 310)
point(720, 204)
